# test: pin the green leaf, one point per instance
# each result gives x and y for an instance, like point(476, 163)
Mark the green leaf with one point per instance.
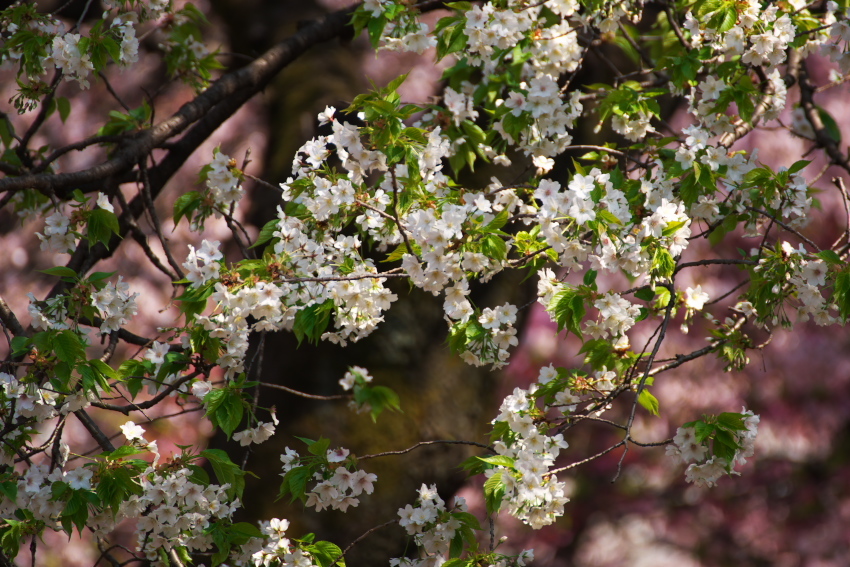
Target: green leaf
point(456, 545)
point(452, 39)
point(799, 165)
point(68, 346)
point(598, 353)
point(320, 447)
point(105, 369)
point(829, 124)
point(724, 445)
point(295, 482)
point(731, 421)
point(102, 224)
point(645, 293)
point(494, 492)
point(395, 84)
point(92, 378)
point(185, 205)
point(724, 19)
point(121, 452)
point(494, 247)
point(199, 475)
point(9, 489)
point(245, 531)
point(117, 484)
point(703, 430)
point(648, 401)
point(608, 217)
point(196, 293)
point(12, 535)
point(568, 308)
point(663, 264)
point(20, 345)
point(830, 257)
point(60, 271)
point(673, 227)
point(498, 222)
point(311, 322)
point(375, 27)
point(378, 398)
point(498, 460)
point(64, 106)
point(99, 276)
point(226, 471)
point(473, 466)
point(229, 413)
point(468, 519)
point(267, 233)
point(841, 294)
point(327, 554)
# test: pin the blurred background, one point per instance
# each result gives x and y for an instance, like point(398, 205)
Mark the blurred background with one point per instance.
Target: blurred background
point(789, 508)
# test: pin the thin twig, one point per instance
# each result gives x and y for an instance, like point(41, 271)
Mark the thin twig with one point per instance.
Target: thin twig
point(587, 460)
point(55, 154)
point(257, 372)
point(114, 94)
point(305, 394)
point(423, 443)
point(783, 225)
point(401, 228)
point(367, 533)
point(173, 387)
point(642, 384)
point(146, 194)
point(839, 182)
point(21, 149)
point(712, 261)
point(671, 18)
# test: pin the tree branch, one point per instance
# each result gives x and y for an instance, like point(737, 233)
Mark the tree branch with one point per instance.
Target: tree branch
point(239, 85)
point(423, 443)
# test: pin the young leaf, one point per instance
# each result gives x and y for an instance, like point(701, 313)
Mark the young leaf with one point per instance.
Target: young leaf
point(648, 401)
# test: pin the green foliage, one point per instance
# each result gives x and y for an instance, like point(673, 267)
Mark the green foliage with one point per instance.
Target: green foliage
point(721, 432)
point(311, 321)
point(648, 401)
point(101, 226)
point(376, 399)
point(226, 471)
point(568, 308)
point(120, 123)
point(225, 407)
point(494, 492)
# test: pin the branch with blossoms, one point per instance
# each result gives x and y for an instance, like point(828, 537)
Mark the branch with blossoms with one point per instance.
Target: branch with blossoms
point(390, 189)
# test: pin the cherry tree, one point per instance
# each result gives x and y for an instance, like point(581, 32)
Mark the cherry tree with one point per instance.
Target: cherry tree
point(609, 231)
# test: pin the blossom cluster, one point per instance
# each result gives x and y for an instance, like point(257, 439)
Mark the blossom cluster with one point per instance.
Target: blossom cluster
point(275, 548)
point(337, 484)
point(382, 184)
point(116, 305)
point(689, 446)
point(26, 401)
point(760, 36)
point(532, 493)
point(223, 185)
point(257, 434)
point(807, 281)
point(431, 524)
point(57, 235)
point(182, 510)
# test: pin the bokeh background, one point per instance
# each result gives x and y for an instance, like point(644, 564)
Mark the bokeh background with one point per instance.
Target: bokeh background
point(789, 508)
